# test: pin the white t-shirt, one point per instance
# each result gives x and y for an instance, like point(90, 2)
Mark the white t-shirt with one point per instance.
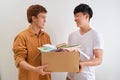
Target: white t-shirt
point(89, 41)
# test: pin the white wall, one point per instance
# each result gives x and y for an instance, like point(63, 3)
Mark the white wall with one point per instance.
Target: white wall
point(59, 24)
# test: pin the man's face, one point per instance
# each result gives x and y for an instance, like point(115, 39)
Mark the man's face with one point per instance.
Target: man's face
point(40, 20)
point(81, 19)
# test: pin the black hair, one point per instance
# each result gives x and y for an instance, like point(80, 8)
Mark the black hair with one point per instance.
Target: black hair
point(84, 8)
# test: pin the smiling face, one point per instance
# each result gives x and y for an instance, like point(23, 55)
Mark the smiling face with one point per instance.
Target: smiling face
point(40, 20)
point(81, 19)
point(82, 14)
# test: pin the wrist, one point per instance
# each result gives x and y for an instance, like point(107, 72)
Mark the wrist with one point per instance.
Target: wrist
point(82, 63)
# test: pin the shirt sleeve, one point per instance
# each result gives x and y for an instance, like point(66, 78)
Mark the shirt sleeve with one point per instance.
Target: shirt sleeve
point(98, 42)
point(19, 49)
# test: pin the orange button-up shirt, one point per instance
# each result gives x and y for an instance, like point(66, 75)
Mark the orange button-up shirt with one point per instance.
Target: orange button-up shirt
point(25, 48)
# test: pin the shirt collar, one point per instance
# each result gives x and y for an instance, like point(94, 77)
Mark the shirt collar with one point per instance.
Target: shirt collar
point(32, 32)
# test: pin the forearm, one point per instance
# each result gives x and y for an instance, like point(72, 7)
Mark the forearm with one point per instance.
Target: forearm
point(92, 62)
point(38, 69)
point(25, 65)
point(97, 60)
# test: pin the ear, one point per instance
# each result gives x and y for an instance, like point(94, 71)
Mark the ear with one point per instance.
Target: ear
point(87, 16)
point(33, 18)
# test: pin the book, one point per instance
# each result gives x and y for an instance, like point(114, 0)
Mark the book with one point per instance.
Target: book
point(64, 45)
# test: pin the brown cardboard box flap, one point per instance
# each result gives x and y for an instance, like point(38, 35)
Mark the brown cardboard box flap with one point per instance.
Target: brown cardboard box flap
point(61, 61)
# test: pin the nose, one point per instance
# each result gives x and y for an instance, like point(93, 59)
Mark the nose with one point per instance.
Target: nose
point(44, 20)
point(75, 19)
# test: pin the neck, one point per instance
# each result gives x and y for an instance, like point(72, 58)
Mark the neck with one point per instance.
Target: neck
point(35, 28)
point(85, 29)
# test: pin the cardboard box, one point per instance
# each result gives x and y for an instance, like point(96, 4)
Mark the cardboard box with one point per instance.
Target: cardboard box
point(61, 61)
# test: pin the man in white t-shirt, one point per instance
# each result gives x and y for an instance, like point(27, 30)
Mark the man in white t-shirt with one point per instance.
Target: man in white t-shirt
point(91, 44)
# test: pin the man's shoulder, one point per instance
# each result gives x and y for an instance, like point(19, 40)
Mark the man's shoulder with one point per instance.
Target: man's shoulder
point(22, 33)
point(96, 32)
point(45, 33)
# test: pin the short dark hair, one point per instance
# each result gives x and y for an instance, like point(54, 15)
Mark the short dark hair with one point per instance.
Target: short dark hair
point(34, 10)
point(84, 8)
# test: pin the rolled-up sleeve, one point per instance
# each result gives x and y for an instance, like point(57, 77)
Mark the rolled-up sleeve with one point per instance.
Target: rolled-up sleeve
point(19, 49)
